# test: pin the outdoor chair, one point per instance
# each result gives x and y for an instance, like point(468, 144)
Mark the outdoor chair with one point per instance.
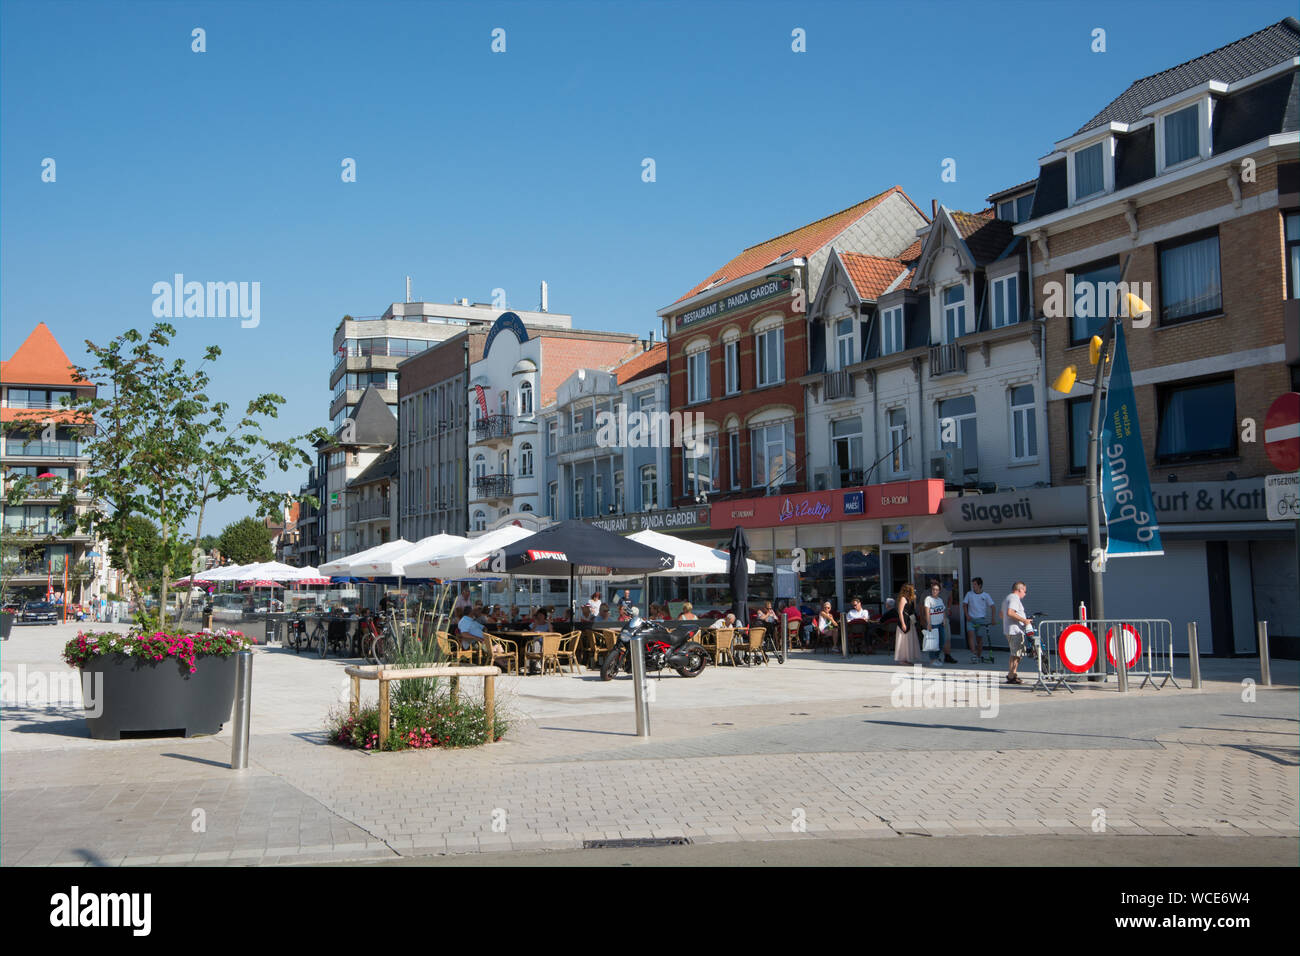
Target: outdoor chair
point(857, 634)
point(508, 658)
point(549, 654)
point(602, 642)
point(453, 652)
point(794, 633)
point(828, 640)
point(753, 648)
point(567, 654)
point(718, 642)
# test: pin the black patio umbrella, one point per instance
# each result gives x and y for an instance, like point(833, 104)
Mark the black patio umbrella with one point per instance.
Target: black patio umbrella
point(575, 546)
point(738, 575)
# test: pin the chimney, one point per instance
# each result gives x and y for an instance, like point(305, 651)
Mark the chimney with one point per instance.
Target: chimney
point(408, 288)
point(934, 209)
point(543, 309)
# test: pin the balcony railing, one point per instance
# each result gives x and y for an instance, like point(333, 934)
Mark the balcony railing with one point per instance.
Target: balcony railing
point(366, 510)
point(494, 426)
point(836, 385)
point(42, 449)
point(947, 359)
point(48, 526)
point(494, 486)
point(577, 441)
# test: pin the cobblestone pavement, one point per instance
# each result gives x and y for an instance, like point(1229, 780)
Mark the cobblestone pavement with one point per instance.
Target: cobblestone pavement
point(769, 760)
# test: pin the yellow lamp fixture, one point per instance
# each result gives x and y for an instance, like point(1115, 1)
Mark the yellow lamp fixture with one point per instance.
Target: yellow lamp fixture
point(1065, 381)
point(1094, 349)
point(1134, 306)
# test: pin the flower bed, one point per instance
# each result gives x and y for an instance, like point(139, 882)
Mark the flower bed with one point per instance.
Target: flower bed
point(157, 646)
point(419, 725)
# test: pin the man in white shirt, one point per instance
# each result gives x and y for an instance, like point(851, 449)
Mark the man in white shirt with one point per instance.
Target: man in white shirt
point(857, 612)
point(1013, 626)
point(728, 621)
point(979, 615)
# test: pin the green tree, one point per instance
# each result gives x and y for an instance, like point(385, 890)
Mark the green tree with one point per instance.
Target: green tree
point(245, 541)
point(159, 448)
point(139, 546)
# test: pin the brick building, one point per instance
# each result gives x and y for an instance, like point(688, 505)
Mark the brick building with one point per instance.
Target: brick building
point(1188, 178)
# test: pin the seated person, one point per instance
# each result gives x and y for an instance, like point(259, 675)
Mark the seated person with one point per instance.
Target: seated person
point(586, 614)
point(727, 621)
point(604, 612)
point(822, 624)
point(470, 631)
point(688, 613)
point(767, 615)
point(857, 612)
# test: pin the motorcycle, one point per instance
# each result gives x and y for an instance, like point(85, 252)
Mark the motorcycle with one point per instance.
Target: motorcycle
point(663, 648)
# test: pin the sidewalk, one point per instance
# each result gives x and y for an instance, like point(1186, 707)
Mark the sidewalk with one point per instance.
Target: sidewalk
point(813, 748)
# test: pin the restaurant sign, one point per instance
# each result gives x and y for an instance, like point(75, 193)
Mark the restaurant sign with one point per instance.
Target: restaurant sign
point(893, 500)
point(676, 519)
point(769, 288)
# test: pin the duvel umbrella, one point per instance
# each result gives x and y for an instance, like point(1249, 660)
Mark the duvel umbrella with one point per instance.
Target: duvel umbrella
point(571, 547)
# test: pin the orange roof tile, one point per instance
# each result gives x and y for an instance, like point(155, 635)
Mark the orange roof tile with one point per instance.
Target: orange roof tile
point(62, 416)
point(911, 253)
point(644, 363)
point(801, 242)
point(39, 361)
point(872, 275)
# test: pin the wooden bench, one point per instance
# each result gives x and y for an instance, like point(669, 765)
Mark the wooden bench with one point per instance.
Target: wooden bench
point(385, 675)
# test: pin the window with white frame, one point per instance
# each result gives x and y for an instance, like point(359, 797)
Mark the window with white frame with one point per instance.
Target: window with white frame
point(954, 312)
point(579, 497)
point(697, 376)
point(899, 459)
point(553, 500)
point(649, 487)
point(1089, 168)
point(731, 356)
point(957, 429)
point(1006, 300)
point(503, 461)
point(526, 398)
point(891, 331)
point(480, 467)
point(618, 492)
point(1181, 136)
point(846, 450)
point(770, 356)
point(700, 465)
point(553, 436)
point(1024, 424)
point(771, 452)
point(480, 520)
point(733, 458)
point(845, 339)
point(526, 460)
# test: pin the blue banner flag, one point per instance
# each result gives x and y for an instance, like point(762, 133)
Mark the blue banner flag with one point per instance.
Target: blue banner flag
point(1131, 525)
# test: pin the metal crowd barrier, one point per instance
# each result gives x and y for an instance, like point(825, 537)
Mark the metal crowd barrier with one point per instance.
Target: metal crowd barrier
point(1155, 660)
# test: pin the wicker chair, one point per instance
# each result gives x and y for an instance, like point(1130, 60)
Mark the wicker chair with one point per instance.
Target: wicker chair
point(602, 642)
point(567, 655)
point(753, 647)
point(794, 630)
point(508, 658)
point(453, 652)
point(718, 642)
point(549, 654)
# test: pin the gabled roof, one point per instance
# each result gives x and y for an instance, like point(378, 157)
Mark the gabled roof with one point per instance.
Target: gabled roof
point(986, 236)
point(798, 243)
point(383, 467)
point(873, 276)
point(649, 362)
point(1011, 190)
point(1252, 54)
point(375, 423)
point(39, 361)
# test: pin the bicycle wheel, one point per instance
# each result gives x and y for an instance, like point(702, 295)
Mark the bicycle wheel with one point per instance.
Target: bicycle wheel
point(373, 649)
point(320, 637)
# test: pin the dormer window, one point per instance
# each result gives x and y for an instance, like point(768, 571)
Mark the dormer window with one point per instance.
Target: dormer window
point(1016, 210)
point(1088, 166)
point(1183, 135)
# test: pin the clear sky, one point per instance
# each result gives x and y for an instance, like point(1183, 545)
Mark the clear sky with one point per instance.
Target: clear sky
point(478, 170)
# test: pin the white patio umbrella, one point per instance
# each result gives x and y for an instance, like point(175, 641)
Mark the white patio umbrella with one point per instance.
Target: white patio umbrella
point(691, 558)
point(459, 561)
point(269, 571)
point(345, 566)
point(398, 564)
point(230, 572)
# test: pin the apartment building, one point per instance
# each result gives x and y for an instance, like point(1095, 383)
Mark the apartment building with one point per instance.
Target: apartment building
point(1185, 188)
point(370, 432)
point(40, 543)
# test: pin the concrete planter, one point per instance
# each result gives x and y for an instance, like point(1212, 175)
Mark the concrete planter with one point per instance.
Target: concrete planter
point(137, 695)
point(6, 625)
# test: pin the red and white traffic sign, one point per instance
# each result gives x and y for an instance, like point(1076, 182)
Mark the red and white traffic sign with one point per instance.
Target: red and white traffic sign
point(1132, 646)
point(1077, 647)
point(1282, 432)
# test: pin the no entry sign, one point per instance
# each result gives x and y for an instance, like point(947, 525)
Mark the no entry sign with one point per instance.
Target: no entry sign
point(1282, 432)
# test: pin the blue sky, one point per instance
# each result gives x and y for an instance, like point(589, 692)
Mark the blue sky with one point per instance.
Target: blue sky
point(478, 170)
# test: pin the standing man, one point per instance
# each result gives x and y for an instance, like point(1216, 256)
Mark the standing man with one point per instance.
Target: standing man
point(625, 604)
point(979, 615)
point(1013, 626)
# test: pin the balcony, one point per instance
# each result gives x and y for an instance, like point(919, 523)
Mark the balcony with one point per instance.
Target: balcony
point(494, 427)
point(42, 449)
point(369, 509)
point(947, 359)
point(577, 441)
point(494, 486)
point(837, 385)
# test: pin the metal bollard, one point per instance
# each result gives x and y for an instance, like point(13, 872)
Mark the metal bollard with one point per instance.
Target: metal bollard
point(1265, 673)
point(1194, 654)
point(243, 705)
point(1121, 657)
point(636, 647)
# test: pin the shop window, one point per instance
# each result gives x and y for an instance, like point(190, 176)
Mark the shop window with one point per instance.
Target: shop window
point(1196, 421)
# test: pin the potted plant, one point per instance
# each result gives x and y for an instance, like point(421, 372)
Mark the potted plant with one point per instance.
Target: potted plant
point(6, 623)
point(156, 681)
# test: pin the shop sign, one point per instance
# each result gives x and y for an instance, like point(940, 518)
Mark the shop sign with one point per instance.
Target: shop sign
point(897, 499)
point(737, 300)
point(676, 519)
